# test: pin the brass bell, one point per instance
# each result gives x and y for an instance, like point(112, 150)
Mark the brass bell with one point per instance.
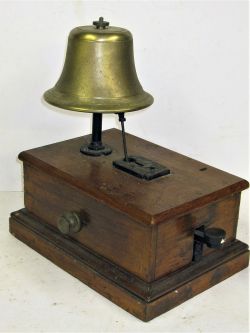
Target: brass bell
point(99, 72)
point(99, 76)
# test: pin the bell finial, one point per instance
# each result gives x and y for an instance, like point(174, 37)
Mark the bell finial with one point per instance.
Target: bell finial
point(101, 23)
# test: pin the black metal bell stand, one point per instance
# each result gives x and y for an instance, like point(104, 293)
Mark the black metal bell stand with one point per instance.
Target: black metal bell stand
point(96, 147)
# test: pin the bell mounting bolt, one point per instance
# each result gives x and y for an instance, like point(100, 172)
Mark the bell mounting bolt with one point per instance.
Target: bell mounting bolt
point(101, 24)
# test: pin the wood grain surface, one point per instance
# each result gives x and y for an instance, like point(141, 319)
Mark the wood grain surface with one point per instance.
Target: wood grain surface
point(190, 185)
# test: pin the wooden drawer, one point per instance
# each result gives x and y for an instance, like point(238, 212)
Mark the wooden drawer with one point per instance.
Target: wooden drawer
point(108, 232)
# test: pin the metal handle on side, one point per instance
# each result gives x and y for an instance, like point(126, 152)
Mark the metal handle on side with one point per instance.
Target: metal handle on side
point(212, 237)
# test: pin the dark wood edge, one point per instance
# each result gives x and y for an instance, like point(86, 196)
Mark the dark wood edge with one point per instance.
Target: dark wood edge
point(141, 289)
point(200, 202)
point(139, 215)
point(197, 285)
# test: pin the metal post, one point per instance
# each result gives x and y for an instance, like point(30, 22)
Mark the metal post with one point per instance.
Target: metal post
point(96, 142)
point(96, 147)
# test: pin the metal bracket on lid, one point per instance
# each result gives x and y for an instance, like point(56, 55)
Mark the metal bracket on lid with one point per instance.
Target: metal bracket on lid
point(138, 166)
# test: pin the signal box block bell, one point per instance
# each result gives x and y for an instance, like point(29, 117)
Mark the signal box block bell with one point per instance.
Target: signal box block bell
point(137, 242)
point(144, 226)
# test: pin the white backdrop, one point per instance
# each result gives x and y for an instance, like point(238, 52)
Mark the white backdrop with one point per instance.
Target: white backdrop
point(191, 55)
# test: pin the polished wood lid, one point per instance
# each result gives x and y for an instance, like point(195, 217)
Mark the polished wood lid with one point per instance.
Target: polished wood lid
point(190, 185)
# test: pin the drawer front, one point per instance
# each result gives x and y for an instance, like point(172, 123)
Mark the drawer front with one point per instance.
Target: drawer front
point(107, 231)
point(175, 237)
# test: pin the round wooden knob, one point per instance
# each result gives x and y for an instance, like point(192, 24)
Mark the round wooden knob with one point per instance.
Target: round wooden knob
point(69, 223)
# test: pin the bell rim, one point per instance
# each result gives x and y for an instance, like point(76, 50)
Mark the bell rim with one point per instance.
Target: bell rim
point(76, 103)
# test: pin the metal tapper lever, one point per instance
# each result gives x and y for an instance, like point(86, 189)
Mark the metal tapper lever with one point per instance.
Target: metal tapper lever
point(122, 119)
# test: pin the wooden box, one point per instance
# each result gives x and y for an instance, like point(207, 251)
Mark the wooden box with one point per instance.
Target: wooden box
point(136, 242)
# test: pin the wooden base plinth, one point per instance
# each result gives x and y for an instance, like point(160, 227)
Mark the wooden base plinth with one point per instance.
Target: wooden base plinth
point(143, 300)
